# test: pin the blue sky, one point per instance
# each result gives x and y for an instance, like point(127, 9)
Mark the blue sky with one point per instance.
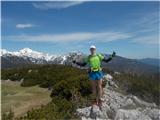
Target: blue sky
point(129, 28)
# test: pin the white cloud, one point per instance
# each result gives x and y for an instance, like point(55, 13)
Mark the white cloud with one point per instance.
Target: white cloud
point(55, 4)
point(24, 25)
point(150, 39)
point(145, 29)
point(86, 36)
point(142, 23)
point(70, 37)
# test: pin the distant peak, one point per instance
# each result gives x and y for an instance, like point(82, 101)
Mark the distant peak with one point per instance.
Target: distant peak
point(24, 50)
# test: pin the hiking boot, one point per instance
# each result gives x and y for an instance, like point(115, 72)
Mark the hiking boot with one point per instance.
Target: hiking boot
point(100, 102)
point(94, 102)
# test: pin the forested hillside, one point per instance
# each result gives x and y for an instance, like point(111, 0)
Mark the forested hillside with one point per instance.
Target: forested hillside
point(71, 88)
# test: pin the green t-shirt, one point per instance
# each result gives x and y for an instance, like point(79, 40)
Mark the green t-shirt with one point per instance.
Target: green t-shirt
point(94, 61)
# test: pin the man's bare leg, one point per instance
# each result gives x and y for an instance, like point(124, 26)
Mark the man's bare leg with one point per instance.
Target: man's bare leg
point(94, 90)
point(100, 89)
point(100, 93)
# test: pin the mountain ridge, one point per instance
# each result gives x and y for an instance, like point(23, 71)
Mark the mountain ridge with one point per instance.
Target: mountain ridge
point(27, 50)
point(119, 106)
point(27, 56)
point(151, 61)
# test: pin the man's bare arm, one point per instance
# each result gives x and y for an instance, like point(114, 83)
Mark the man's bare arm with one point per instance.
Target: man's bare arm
point(80, 63)
point(110, 58)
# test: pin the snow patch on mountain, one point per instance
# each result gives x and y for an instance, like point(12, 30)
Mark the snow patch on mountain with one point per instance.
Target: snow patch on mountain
point(4, 52)
point(34, 54)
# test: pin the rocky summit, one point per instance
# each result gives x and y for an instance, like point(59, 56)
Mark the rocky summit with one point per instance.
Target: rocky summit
point(119, 106)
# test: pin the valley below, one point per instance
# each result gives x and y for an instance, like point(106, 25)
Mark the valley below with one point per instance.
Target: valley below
point(20, 99)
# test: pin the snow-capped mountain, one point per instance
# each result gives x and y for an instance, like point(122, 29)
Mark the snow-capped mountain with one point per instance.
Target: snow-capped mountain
point(36, 57)
point(27, 52)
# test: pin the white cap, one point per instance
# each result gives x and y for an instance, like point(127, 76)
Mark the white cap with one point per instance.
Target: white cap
point(92, 46)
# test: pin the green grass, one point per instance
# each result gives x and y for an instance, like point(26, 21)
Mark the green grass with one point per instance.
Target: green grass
point(21, 99)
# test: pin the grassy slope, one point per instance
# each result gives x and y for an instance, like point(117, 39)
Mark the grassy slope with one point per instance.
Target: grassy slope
point(21, 99)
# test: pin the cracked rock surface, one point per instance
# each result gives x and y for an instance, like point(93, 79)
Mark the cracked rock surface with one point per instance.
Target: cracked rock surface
point(118, 106)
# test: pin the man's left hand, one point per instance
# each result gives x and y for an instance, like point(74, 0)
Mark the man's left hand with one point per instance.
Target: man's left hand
point(113, 54)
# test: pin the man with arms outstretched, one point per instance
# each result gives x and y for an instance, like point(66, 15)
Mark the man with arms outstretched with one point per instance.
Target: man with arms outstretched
point(95, 73)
